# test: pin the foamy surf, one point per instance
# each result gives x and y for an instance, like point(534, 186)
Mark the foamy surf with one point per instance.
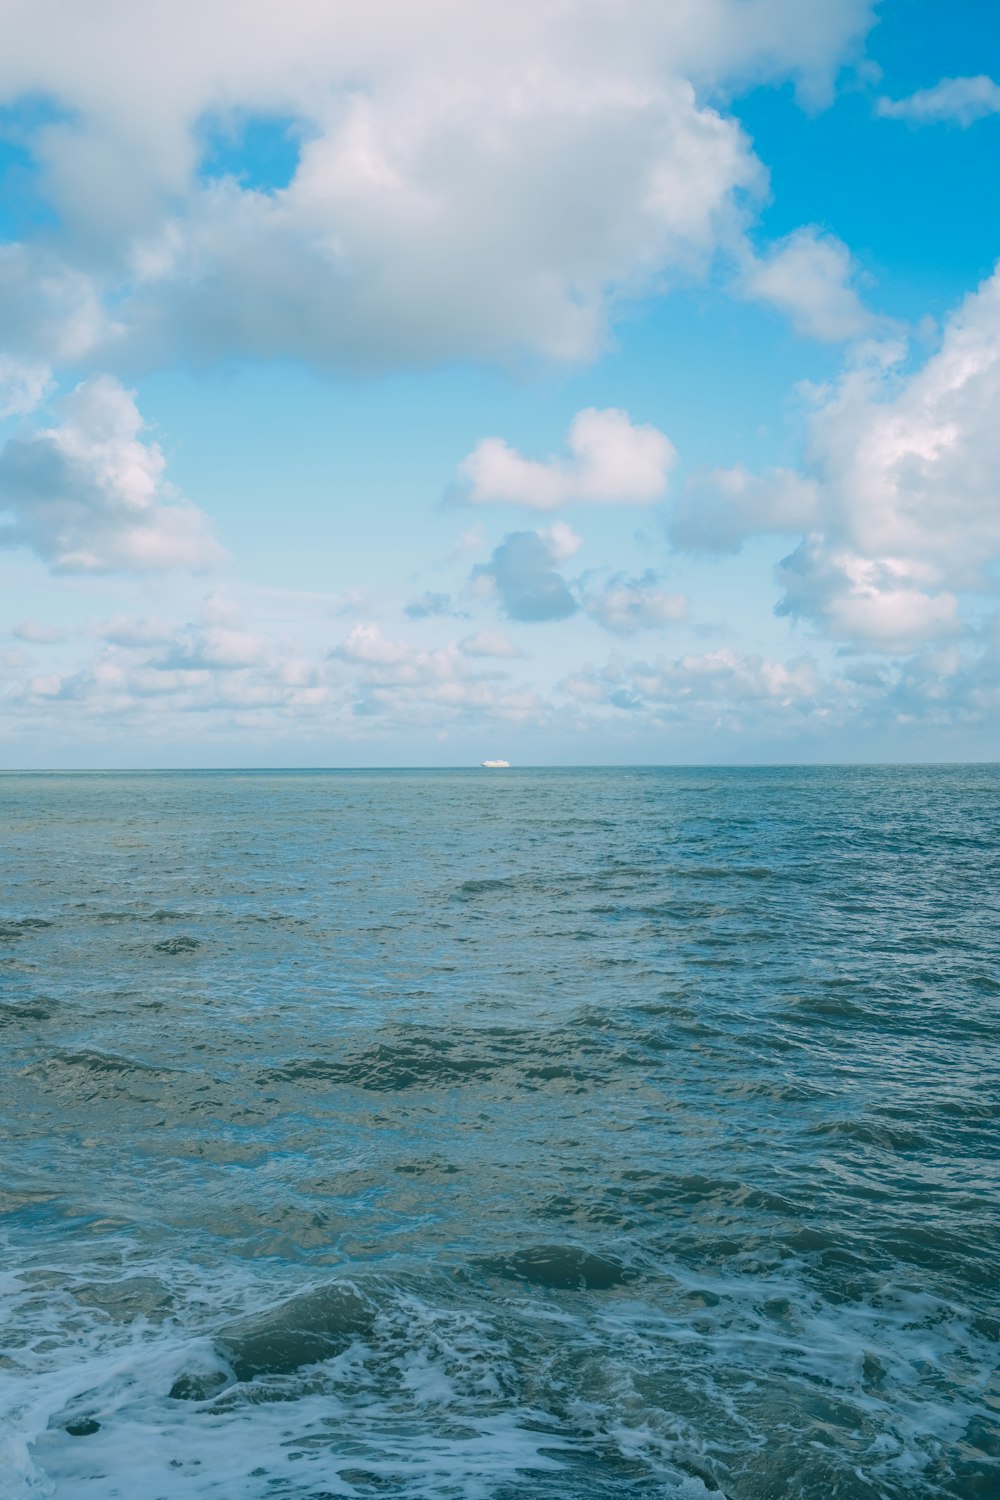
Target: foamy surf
point(487, 1379)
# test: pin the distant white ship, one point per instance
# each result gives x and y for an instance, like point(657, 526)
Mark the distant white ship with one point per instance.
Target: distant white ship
point(494, 765)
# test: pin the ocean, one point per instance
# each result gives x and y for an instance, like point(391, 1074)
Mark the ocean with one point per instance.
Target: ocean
point(527, 1133)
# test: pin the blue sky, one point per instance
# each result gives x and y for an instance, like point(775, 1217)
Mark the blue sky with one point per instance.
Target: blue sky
point(393, 384)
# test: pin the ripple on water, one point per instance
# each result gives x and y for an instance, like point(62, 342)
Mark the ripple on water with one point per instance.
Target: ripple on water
point(589, 1134)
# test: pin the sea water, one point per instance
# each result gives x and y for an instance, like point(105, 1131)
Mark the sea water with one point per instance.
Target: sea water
point(544, 1133)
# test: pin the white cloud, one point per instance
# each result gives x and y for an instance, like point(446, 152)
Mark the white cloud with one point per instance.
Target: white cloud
point(881, 604)
point(702, 687)
point(128, 630)
point(158, 678)
point(960, 100)
point(366, 646)
point(473, 180)
point(948, 687)
point(148, 672)
point(808, 276)
point(899, 497)
point(214, 647)
point(50, 311)
point(228, 680)
point(561, 540)
point(90, 496)
point(627, 605)
point(410, 684)
point(432, 223)
point(489, 643)
point(907, 463)
point(612, 461)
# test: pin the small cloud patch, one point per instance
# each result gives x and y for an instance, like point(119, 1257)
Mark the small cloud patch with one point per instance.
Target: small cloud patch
point(526, 583)
point(612, 461)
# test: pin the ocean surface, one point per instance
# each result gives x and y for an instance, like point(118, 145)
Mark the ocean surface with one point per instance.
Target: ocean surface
point(547, 1133)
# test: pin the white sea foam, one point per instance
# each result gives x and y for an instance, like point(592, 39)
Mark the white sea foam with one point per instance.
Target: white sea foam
point(438, 1397)
point(420, 1404)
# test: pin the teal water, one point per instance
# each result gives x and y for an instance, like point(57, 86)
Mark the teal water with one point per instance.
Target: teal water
point(535, 1133)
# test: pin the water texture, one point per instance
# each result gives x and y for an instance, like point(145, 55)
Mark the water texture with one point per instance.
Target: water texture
point(584, 1133)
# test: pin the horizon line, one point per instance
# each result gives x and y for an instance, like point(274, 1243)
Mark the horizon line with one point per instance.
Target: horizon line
point(755, 765)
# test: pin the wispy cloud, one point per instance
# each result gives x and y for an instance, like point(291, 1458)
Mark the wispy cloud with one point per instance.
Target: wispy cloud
point(961, 101)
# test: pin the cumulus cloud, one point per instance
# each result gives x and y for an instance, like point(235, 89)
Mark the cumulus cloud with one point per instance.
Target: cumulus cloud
point(808, 276)
point(90, 496)
point(907, 466)
point(627, 605)
point(146, 671)
point(961, 101)
point(227, 679)
point(471, 179)
point(131, 630)
point(217, 648)
point(489, 643)
point(522, 575)
point(877, 603)
point(561, 540)
point(700, 687)
point(51, 313)
point(721, 508)
point(898, 496)
point(948, 685)
point(431, 224)
point(395, 678)
point(611, 461)
point(160, 677)
point(936, 687)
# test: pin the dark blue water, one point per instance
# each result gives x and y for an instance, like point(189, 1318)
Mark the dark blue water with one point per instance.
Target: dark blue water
point(467, 1134)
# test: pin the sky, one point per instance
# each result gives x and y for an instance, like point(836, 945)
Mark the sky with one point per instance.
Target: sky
point(568, 381)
